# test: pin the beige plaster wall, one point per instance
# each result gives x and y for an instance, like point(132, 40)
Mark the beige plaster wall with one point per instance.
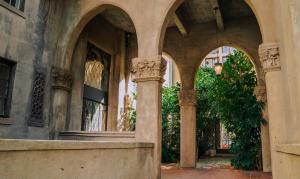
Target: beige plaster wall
point(66, 159)
point(22, 41)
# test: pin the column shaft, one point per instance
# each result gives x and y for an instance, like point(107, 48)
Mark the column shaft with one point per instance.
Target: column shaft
point(270, 59)
point(61, 84)
point(148, 74)
point(188, 101)
point(261, 95)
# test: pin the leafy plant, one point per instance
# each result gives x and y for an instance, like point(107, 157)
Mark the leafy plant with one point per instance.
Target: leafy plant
point(233, 96)
point(170, 124)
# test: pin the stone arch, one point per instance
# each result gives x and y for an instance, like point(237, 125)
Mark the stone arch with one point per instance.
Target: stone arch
point(253, 59)
point(69, 38)
point(263, 11)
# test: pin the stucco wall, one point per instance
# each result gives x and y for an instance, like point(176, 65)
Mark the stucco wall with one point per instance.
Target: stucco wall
point(57, 159)
point(22, 41)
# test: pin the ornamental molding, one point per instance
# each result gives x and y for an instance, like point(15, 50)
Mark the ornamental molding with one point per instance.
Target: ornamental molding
point(148, 69)
point(187, 98)
point(61, 79)
point(270, 57)
point(261, 93)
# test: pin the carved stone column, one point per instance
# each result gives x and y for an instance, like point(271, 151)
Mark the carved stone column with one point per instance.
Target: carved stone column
point(61, 84)
point(261, 95)
point(148, 74)
point(188, 102)
point(270, 59)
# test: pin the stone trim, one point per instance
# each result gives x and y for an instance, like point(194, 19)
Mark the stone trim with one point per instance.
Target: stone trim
point(61, 79)
point(270, 57)
point(261, 93)
point(6, 121)
point(148, 69)
point(187, 98)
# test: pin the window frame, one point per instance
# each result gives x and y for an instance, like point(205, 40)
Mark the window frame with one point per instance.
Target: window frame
point(8, 6)
point(11, 78)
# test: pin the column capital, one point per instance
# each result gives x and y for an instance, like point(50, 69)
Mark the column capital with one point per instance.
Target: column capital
point(148, 69)
point(270, 57)
point(61, 79)
point(187, 97)
point(261, 93)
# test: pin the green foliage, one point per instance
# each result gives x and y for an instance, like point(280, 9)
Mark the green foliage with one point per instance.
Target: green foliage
point(233, 97)
point(206, 114)
point(170, 124)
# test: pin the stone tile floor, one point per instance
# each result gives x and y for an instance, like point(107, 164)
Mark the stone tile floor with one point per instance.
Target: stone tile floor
point(213, 168)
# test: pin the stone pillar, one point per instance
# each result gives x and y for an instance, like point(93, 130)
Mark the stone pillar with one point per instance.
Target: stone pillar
point(270, 60)
point(188, 102)
point(261, 95)
point(148, 74)
point(61, 84)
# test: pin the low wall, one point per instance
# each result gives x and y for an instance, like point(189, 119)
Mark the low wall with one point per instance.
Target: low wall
point(288, 166)
point(98, 136)
point(27, 159)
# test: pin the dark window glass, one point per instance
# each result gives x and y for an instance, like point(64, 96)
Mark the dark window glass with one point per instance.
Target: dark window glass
point(6, 70)
point(19, 4)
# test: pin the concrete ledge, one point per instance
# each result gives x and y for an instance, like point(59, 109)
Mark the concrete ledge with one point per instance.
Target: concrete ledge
point(101, 134)
point(292, 149)
point(6, 121)
point(75, 159)
point(35, 145)
point(97, 136)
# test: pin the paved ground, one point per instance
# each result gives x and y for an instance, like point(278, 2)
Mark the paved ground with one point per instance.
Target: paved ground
point(176, 173)
point(216, 168)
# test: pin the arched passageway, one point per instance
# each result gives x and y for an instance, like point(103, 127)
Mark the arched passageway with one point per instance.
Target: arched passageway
point(224, 23)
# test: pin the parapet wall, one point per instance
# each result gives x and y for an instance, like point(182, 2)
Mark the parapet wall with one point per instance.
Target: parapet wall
point(75, 159)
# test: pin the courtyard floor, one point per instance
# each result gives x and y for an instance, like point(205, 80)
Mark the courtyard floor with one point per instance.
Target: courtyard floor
point(212, 168)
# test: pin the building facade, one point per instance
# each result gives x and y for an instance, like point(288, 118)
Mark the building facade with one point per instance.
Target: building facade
point(66, 68)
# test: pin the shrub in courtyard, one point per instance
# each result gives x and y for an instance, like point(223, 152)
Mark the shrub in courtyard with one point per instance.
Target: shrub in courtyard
point(170, 124)
point(233, 96)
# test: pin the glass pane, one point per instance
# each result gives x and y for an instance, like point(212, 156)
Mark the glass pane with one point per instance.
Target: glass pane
point(94, 116)
point(93, 74)
point(4, 87)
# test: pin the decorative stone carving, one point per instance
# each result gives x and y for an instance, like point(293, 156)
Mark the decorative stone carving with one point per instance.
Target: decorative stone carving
point(37, 100)
point(270, 57)
point(62, 79)
point(148, 69)
point(187, 98)
point(261, 93)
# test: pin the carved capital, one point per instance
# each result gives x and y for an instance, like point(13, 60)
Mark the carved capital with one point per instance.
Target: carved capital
point(187, 98)
point(61, 79)
point(270, 57)
point(148, 69)
point(261, 93)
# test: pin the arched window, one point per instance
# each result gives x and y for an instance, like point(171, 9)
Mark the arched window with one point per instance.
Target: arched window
point(95, 98)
